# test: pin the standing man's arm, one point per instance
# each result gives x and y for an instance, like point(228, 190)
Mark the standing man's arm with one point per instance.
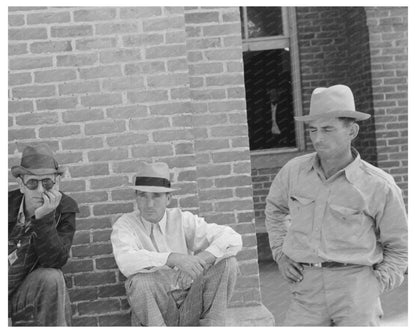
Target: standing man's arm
point(53, 237)
point(391, 223)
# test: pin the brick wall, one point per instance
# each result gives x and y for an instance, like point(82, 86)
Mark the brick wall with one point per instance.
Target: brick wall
point(365, 48)
point(388, 30)
point(106, 87)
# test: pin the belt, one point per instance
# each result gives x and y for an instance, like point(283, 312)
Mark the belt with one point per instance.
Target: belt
point(326, 264)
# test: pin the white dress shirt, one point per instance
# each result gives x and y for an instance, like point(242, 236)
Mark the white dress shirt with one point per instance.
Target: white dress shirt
point(178, 231)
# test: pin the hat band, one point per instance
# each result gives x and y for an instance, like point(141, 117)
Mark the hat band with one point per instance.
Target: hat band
point(152, 181)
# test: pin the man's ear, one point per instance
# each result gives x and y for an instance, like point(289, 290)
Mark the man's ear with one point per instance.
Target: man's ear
point(21, 185)
point(169, 197)
point(354, 129)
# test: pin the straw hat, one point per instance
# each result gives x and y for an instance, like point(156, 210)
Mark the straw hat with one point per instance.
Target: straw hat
point(153, 177)
point(333, 102)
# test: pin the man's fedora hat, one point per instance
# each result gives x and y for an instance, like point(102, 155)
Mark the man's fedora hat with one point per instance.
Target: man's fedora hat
point(333, 102)
point(153, 177)
point(37, 160)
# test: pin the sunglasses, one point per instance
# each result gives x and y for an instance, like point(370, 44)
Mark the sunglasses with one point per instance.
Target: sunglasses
point(32, 184)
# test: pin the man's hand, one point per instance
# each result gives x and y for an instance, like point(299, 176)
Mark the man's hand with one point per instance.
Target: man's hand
point(208, 257)
point(184, 280)
point(290, 269)
point(192, 265)
point(51, 200)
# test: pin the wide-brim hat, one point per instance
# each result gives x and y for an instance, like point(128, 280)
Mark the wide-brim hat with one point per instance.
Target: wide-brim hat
point(333, 102)
point(153, 177)
point(37, 160)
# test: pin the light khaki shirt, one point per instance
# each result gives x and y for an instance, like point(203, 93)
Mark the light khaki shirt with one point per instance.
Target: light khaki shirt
point(356, 216)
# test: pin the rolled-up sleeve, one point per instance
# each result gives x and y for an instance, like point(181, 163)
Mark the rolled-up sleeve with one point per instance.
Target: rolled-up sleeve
point(130, 256)
point(391, 223)
point(221, 241)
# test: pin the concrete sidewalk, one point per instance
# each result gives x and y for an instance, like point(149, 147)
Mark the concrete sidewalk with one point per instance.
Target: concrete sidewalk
point(276, 297)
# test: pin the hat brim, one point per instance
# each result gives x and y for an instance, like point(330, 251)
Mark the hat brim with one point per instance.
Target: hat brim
point(153, 189)
point(19, 170)
point(335, 114)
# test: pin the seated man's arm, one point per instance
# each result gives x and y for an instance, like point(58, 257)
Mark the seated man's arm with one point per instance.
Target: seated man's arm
point(54, 234)
point(129, 254)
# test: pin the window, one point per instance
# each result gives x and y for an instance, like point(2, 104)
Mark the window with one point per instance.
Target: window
point(272, 79)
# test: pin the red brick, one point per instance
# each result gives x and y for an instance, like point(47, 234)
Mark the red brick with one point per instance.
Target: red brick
point(220, 218)
point(201, 18)
point(139, 12)
point(179, 65)
point(121, 319)
point(236, 92)
point(164, 23)
point(140, 40)
point(82, 115)
point(71, 31)
point(72, 185)
point(233, 16)
point(96, 43)
point(38, 118)
point(207, 94)
point(98, 307)
point(126, 139)
point(101, 100)
point(90, 196)
point(117, 208)
point(144, 68)
point(123, 55)
point(59, 131)
point(148, 124)
point(116, 28)
point(91, 250)
point(225, 79)
point(48, 18)
point(56, 103)
point(179, 93)
point(77, 266)
point(84, 211)
point(96, 14)
point(226, 106)
point(112, 291)
point(211, 144)
point(170, 108)
point(17, 49)
point(188, 175)
point(106, 263)
point(81, 237)
point(21, 134)
point(165, 51)
point(93, 223)
point(19, 79)
point(69, 157)
point(205, 68)
point(247, 254)
point(228, 131)
point(147, 96)
point(182, 162)
point(224, 54)
point(124, 167)
point(124, 112)
point(167, 80)
point(55, 75)
point(233, 181)
point(215, 194)
point(244, 167)
point(230, 156)
point(249, 268)
point(30, 63)
point(103, 236)
point(172, 135)
point(152, 150)
point(84, 321)
point(51, 47)
point(83, 294)
point(100, 72)
point(16, 20)
point(193, 31)
point(235, 205)
point(123, 194)
point(213, 170)
point(77, 60)
point(33, 91)
point(88, 170)
point(202, 44)
point(175, 37)
point(108, 182)
point(182, 121)
point(125, 83)
point(27, 33)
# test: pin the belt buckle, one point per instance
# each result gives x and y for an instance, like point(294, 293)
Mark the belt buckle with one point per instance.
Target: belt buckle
point(319, 264)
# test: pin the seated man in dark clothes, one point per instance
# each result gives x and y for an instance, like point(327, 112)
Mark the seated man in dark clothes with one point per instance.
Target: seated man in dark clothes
point(41, 229)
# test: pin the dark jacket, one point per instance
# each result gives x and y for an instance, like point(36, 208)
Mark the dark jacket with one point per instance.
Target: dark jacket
point(53, 232)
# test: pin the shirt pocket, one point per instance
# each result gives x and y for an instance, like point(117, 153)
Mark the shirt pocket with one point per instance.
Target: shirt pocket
point(349, 220)
point(302, 214)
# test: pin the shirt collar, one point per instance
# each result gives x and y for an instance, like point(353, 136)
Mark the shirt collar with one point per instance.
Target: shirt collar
point(351, 170)
point(162, 224)
point(21, 213)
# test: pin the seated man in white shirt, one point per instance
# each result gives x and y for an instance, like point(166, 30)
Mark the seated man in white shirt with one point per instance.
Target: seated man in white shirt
point(180, 269)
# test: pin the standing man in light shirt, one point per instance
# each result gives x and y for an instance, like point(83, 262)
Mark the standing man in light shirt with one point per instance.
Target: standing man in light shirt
point(180, 269)
point(337, 225)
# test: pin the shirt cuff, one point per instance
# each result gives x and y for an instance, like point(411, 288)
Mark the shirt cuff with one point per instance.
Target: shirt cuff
point(160, 259)
point(215, 251)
